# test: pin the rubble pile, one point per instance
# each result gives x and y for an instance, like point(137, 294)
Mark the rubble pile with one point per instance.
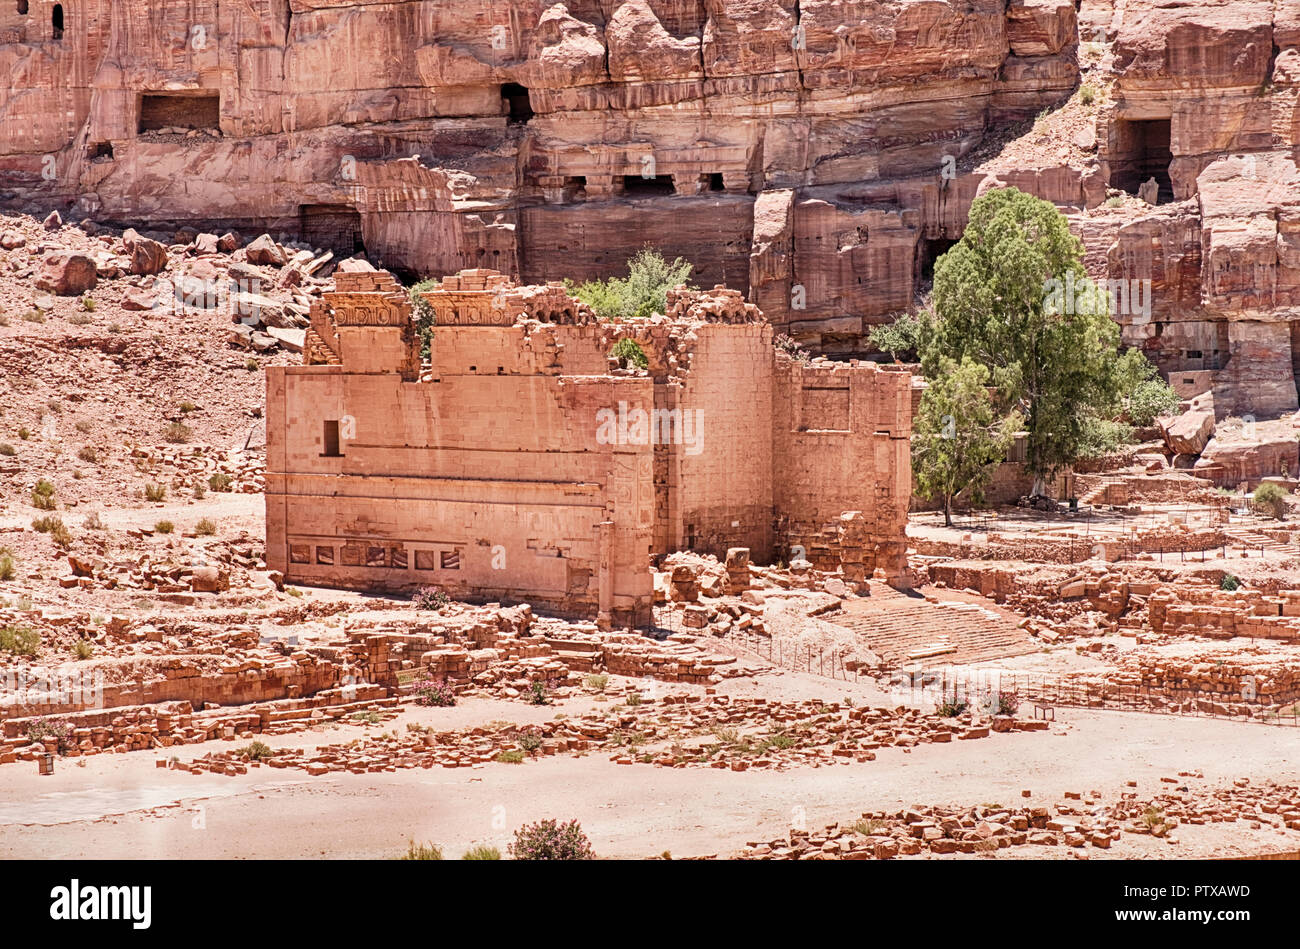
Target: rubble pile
point(671, 731)
point(742, 733)
point(989, 828)
point(242, 471)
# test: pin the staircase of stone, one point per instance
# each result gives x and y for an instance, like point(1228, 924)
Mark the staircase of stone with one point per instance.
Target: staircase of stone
point(1102, 493)
point(315, 349)
point(905, 630)
point(579, 656)
point(1244, 537)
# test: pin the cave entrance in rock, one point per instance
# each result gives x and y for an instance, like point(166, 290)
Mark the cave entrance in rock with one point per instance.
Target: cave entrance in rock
point(1142, 151)
point(335, 227)
point(179, 110)
point(517, 103)
point(927, 252)
point(56, 20)
point(641, 186)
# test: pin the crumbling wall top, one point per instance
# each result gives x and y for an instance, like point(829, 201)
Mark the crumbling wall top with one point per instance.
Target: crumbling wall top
point(719, 305)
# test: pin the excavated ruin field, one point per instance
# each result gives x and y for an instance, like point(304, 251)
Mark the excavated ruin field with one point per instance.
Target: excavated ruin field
point(776, 714)
point(1113, 678)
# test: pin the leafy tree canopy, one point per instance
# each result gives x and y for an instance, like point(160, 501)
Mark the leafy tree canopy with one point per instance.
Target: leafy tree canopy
point(959, 435)
point(1013, 296)
point(642, 292)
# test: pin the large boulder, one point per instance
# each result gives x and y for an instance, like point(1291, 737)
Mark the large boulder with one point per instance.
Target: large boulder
point(204, 244)
point(293, 340)
point(1188, 434)
point(1263, 450)
point(210, 580)
point(147, 256)
point(138, 298)
point(67, 274)
point(246, 278)
point(265, 251)
point(257, 310)
point(200, 286)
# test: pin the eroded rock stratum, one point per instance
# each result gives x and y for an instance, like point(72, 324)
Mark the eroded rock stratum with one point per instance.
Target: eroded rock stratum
point(814, 154)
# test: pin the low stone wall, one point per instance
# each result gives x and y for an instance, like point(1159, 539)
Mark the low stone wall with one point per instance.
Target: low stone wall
point(1048, 549)
point(141, 727)
point(179, 679)
point(1206, 611)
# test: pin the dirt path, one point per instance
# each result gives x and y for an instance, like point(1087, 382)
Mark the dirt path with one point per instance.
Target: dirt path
point(628, 811)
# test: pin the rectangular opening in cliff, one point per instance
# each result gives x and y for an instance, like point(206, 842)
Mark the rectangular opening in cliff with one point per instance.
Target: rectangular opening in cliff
point(516, 102)
point(187, 110)
point(640, 186)
point(927, 253)
point(1142, 152)
point(335, 227)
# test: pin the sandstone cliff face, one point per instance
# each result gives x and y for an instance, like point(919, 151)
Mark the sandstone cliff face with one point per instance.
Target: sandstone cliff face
point(816, 154)
point(547, 140)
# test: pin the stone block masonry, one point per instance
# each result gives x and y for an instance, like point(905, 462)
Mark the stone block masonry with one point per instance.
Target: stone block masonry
point(521, 463)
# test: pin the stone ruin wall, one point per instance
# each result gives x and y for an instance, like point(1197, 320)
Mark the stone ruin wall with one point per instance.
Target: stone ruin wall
point(486, 470)
point(483, 475)
point(841, 443)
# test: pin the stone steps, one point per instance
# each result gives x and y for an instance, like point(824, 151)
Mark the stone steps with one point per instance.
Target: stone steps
point(1098, 495)
point(1256, 541)
point(903, 630)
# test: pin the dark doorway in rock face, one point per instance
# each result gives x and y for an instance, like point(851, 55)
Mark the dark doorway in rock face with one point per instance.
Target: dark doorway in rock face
point(56, 20)
point(335, 227)
point(180, 110)
point(516, 99)
point(927, 252)
point(1142, 151)
point(639, 185)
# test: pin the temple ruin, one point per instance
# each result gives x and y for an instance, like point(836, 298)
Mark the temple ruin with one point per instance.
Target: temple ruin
point(520, 461)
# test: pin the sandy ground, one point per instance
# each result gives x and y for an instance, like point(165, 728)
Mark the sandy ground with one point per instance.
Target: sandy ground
point(124, 806)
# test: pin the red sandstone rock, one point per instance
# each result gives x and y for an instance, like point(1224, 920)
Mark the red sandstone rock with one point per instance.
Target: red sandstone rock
point(265, 251)
point(66, 274)
point(1188, 433)
point(147, 256)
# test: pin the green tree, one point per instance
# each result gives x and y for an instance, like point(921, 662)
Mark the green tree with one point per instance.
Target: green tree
point(959, 435)
point(902, 336)
point(1270, 499)
point(629, 353)
point(1146, 396)
point(1013, 296)
point(423, 315)
point(642, 292)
